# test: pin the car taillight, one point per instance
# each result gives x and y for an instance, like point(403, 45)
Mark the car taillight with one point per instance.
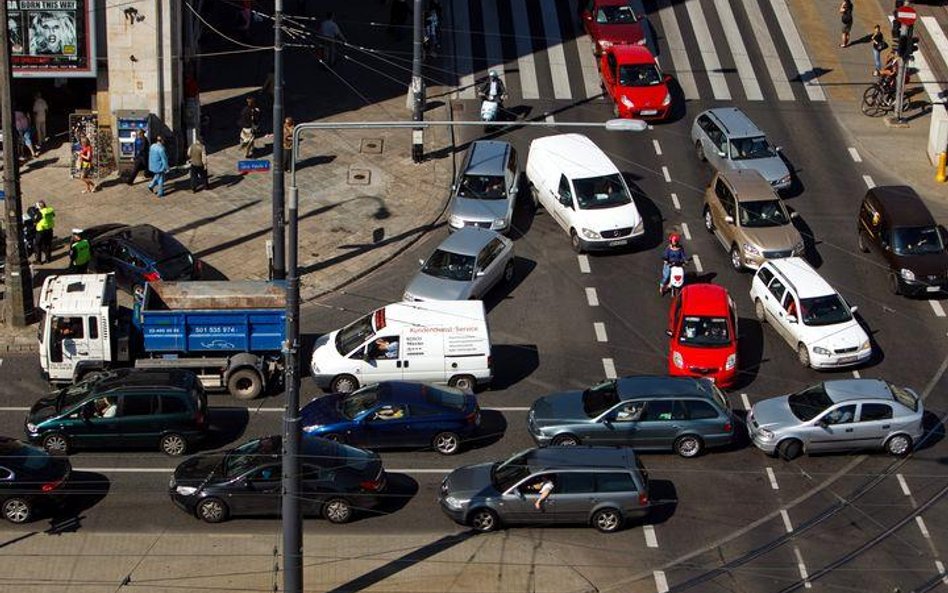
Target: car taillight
point(472, 417)
point(490, 362)
point(152, 276)
point(50, 486)
point(643, 498)
point(371, 485)
point(199, 418)
point(728, 427)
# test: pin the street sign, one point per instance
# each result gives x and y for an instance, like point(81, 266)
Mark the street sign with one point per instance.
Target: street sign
point(906, 15)
point(3, 195)
point(253, 166)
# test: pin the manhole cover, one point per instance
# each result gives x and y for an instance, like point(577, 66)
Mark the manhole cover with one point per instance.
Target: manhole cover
point(359, 176)
point(371, 146)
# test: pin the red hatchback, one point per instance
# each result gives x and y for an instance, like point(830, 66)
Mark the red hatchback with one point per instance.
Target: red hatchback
point(611, 22)
point(632, 78)
point(702, 324)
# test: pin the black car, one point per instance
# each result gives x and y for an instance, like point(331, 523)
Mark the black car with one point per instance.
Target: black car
point(337, 480)
point(139, 254)
point(29, 478)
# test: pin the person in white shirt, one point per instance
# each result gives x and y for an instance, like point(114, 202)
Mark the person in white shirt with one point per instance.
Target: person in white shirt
point(40, 109)
point(330, 34)
point(544, 485)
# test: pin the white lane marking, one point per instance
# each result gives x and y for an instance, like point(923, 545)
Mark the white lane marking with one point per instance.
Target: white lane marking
point(509, 409)
point(492, 48)
point(600, 329)
point(529, 87)
point(1, 362)
point(802, 568)
point(697, 261)
point(661, 583)
point(650, 539)
point(666, 174)
point(554, 50)
point(15, 409)
point(126, 470)
point(685, 231)
point(280, 410)
point(735, 41)
point(869, 182)
point(855, 155)
point(746, 401)
point(768, 51)
point(587, 60)
point(658, 147)
point(937, 308)
point(464, 55)
point(675, 202)
point(678, 51)
point(592, 297)
point(583, 263)
point(925, 74)
point(903, 485)
point(408, 470)
point(941, 570)
point(937, 35)
point(786, 520)
point(798, 51)
point(549, 119)
point(922, 527)
point(772, 477)
point(609, 367)
point(856, 374)
point(709, 55)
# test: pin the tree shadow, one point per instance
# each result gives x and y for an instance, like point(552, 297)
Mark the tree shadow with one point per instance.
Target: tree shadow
point(513, 363)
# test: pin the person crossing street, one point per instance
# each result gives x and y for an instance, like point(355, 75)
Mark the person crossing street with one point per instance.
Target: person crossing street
point(80, 253)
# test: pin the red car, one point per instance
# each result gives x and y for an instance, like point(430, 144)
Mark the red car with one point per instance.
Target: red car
point(632, 78)
point(702, 324)
point(611, 22)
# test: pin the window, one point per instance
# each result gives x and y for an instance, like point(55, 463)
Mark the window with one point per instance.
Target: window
point(269, 473)
point(699, 410)
point(841, 415)
point(69, 328)
point(872, 412)
point(138, 404)
point(704, 122)
point(663, 409)
point(172, 405)
point(789, 304)
point(390, 412)
point(765, 275)
point(564, 191)
point(629, 412)
point(720, 189)
point(384, 348)
point(615, 482)
point(777, 289)
point(576, 483)
point(417, 410)
point(489, 254)
point(93, 328)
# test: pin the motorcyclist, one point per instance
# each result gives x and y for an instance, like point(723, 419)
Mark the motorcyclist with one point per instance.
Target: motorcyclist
point(493, 89)
point(674, 255)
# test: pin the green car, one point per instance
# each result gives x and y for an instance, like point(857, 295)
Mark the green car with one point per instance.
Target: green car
point(128, 408)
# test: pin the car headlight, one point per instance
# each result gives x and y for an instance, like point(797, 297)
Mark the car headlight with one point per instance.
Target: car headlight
point(667, 100)
point(750, 249)
point(185, 490)
point(907, 274)
point(731, 362)
point(865, 345)
point(821, 351)
point(678, 360)
point(603, 43)
point(590, 234)
point(626, 101)
point(499, 223)
point(639, 227)
point(783, 180)
point(765, 434)
point(311, 428)
point(454, 503)
point(455, 221)
point(30, 427)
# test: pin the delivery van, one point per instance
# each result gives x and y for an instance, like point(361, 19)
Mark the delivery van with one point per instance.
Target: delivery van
point(435, 341)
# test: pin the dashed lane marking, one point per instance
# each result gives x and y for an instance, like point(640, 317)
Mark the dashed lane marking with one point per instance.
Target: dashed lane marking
point(903, 485)
point(869, 182)
point(801, 566)
point(14, 409)
point(658, 147)
point(583, 263)
point(697, 261)
point(922, 527)
point(609, 367)
point(685, 231)
point(549, 119)
point(746, 401)
point(856, 374)
point(937, 308)
point(600, 329)
point(941, 570)
point(675, 202)
point(666, 174)
point(855, 155)
point(661, 583)
point(592, 297)
point(773, 478)
point(651, 540)
point(786, 520)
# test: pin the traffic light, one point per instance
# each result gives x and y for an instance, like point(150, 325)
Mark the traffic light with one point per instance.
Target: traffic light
point(907, 46)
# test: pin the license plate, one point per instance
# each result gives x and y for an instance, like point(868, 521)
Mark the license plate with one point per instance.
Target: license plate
point(932, 288)
point(648, 112)
point(847, 359)
point(618, 243)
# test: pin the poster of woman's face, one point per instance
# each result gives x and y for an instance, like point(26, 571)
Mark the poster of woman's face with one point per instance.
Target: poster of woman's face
point(15, 31)
point(52, 33)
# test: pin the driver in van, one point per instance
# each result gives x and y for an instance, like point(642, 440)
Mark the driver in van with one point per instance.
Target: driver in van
point(386, 348)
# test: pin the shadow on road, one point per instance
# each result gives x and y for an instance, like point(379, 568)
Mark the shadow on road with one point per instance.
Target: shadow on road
point(513, 363)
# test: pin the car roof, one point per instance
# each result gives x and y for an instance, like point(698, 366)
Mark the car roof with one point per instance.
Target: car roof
point(151, 241)
point(735, 122)
point(146, 378)
point(487, 157)
point(806, 281)
point(583, 457)
point(902, 205)
point(749, 185)
point(468, 240)
point(705, 299)
point(613, 3)
point(411, 392)
point(658, 387)
point(632, 54)
point(841, 390)
point(574, 155)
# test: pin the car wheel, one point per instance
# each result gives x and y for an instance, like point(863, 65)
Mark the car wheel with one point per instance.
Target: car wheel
point(861, 240)
point(509, 272)
point(803, 355)
point(245, 384)
point(575, 242)
point(446, 443)
point(899, 445)
point(173, 444)
point(565, 440)
point(688, 446)
point(759, 312)
point(463, 382)
point(708, 220)
point(337, 510)
point(895, 286)
point(535, 196)
point(736, 262)
point(344, 384)
point(212, 510)
point(17, 510)
point(607, 520)
point(699, 151)
point(56, 443)
point(790, 449)
point(484, 520)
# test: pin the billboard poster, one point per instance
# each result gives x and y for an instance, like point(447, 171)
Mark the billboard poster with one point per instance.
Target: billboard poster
point(51, 38)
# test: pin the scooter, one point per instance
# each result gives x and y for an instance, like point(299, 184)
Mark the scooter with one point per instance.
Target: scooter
point(676, 278)
point(490, 107)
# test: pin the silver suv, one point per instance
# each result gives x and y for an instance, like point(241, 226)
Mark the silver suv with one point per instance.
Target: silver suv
point(486, 190)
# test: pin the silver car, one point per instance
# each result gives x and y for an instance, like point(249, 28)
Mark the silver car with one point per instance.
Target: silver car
point(465, 266)
point(486, 189)
point(841, 415)
point(727, 139)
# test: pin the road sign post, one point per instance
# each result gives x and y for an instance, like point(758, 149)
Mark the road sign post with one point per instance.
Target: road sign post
point(906, 15)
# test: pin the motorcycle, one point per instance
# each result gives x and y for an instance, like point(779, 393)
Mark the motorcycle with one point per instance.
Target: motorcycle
point(676, 278)
point(490, 108)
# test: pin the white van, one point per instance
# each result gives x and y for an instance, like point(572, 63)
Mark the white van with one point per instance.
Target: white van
point(583, 191)
point(437, 341)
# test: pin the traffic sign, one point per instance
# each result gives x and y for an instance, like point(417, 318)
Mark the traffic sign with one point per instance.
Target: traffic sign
point(906, 15)
point(3, 195)
point(253, 166)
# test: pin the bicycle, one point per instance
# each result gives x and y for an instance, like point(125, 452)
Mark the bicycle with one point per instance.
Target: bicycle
point(879, 99)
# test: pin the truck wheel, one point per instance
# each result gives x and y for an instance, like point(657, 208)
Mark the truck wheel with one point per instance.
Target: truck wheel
point(245, 384)
point(344, 384)
point(463, 382)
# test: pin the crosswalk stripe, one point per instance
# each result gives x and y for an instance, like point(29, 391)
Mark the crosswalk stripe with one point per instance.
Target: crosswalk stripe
point(529, 87)
point(492, 47)
point(551, 28)
point(676, 47)
point(937, 35)
point(800, 59)
point(941, 43)
point(745, 70)
point(463, 53)
point(769, 51)
point(709, 54)
point(587, 59)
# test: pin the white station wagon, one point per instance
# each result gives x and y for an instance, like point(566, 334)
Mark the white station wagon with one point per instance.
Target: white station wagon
point(809, 314)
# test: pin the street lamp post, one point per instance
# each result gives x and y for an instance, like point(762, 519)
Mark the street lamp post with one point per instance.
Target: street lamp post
point(292, 521)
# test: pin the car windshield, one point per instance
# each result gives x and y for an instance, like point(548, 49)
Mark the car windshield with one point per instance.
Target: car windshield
point(359, 401)
point(599, 398)
point(916, 240)
point(824, 310)
point(251, 454)
point(904, 397)
point(482, 187)
point(751, 148)
point(354, 335)
point(615, 15)
point(765, 213)
point(601, 192)
point(332, 455)
point(449, 266)
point(506, 474)
point(704, 331)
point(444, 396)
point(809, 403)
point(639, 75)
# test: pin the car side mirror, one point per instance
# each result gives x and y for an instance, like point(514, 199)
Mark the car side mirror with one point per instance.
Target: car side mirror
point(853, 309)
point(721, 154)
point(729, 219)
point(668, 333)
point(791, 318)
point(794, 214)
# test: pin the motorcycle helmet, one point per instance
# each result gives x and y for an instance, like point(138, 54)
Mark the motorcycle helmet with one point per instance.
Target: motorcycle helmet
point(674, 239)
point(493, 74)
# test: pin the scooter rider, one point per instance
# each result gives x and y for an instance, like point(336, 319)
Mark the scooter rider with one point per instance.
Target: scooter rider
point(674, 255)
point(493, 89)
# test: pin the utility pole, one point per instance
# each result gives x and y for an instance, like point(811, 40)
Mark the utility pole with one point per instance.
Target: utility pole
point(417, 85)
point(279, 240)
point(18, 294)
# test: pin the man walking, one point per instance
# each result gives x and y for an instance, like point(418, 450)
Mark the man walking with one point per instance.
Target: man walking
point(140, 162)
point(40, 109)
point(330, 34)
point(44, 232)
point(158, 165)
point(249, 123)
point(80, 253)
point(197, 157)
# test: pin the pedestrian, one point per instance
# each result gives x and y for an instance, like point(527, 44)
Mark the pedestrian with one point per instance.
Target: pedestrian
point(158, 165)
point(140, 162)
point(330, 34)
point(846, 16)
point(44, 232)
point(249, 122)
point(84, 157)
point(40, 109)
point(197, 157)
point(288, 125)
point(22, 123)
point(877, 39)
point(80, 253)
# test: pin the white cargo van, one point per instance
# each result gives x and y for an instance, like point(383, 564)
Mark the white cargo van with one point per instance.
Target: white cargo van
point(437, 341)
point(583, 191)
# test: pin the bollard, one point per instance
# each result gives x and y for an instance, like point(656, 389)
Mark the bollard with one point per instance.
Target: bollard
point(940, 175)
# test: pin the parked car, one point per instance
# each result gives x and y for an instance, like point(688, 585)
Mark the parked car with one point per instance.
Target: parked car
point(809, 314)
point(485, 192)
point(656, 413)
point(139, 254)
point(749, 219)
point(842, 415)
point(395, 414)
point(583, 191)
point(727, 139)
point(632, 79)
point(336, 480)
point(702, 325)
point(896, 226)
point(466, 265)
point(124, 408)
point(30, 479)
point(611, 23)
point(601, 486)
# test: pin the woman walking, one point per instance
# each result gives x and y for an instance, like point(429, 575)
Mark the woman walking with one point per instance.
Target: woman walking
point(84, 157)
point(846, 17)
